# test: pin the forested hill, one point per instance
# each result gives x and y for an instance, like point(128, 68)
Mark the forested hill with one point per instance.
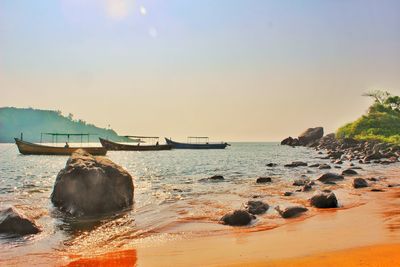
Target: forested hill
point(32, 122)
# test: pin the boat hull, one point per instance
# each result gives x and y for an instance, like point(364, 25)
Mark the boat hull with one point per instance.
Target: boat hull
point(177, 145)
point(27, 148)
point(124, 147)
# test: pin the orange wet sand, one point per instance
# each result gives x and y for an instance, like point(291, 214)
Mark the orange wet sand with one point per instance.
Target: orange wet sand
point(372, 256)
point(112, 259)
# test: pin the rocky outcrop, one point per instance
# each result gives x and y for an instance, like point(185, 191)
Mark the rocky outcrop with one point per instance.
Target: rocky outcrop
point(237, 218)
point(295, 164)
point(311, 136)
point(324, 200)
point(256, 207)
point(14, 222)
point(291, 211)
point(91, 185)
point(360, 183)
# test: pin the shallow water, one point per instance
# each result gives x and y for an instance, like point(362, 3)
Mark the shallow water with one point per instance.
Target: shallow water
point(170, 200)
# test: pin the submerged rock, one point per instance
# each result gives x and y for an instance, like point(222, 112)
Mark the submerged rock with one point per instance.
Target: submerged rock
point(256, 207)
point(330, 177)
point(296, 164)
point(291, 211)
point(14, 222)
point(272, 165)
point(287, 194)
point(324, 166)
point(324, 200)
point(359, 183)
point(91, 185)
point(263, 180)
point(215, 178)
point(237, 218)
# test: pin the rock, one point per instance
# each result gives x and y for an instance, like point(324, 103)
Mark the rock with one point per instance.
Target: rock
point(263, 180)
point(373, 156)
point(237, 218)
point(300, 182)
point(377, 190)
point(330, 177)
point(91, 185)
point(14, 222)
point(349, 172)
point(311, 135)
point(287, 141)
point(291, 211)
point(355, 167)
point(215, 178)
point(338, 161)
point(257, 207)
point(316, 165)
point(287, 194)
point(373, 179)
point(324, 167)
point(324, 200)
point(296, 164)
point(359, 183)
point(272, 165)
point(306, 188)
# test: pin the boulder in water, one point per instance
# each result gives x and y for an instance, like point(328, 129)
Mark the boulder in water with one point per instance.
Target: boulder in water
point(263, 180)
point(291, 211)
point(14, 222)
point(237, 218)
point(349, 172)
point(330, 177)
point(311, 135)
point(257, 207)
point(324, 200)
point(91, 185)
point(359, 183)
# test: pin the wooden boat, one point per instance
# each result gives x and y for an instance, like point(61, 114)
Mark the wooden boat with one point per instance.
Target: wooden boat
point(197, 145)
point(110, 145)
point(27, 148)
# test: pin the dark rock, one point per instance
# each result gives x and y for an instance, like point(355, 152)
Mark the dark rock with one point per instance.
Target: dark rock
point(324, 200)
point(373, 179)
point(237, 218)
point(291, 211)
point(272, 165)
point(215, 178)
point(13, 222)
point(287, 194)
point(338, 162)
point(377, 190)
point(338, 167)
point(263, 180)
point(300, 182)
point(356, 167)
point(311, 135)
point(349, 172)
point(330, 177)
point(91, 185)
point(296, 164)
point(324, 167)
point(359, 183)
point(316, 165)
point(257, 207)
point(287, 141)
point(306, 188)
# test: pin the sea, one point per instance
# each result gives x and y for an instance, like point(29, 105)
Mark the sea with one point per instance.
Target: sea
point(171, 198)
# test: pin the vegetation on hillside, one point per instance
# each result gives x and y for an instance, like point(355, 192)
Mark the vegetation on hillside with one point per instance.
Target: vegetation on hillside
point(382, 121)
point(33, 122)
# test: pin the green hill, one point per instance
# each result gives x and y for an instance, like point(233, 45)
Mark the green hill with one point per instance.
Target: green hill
point(382, 122)
point(32, 122)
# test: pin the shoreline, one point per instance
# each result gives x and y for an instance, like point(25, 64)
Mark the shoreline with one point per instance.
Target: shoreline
point(343, 235)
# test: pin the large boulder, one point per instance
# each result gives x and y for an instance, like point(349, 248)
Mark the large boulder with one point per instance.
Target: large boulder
point(263, 180)
point(91, 185)
point(324, 200)
point(237, 218)
point(14, 222)
point(311, 135)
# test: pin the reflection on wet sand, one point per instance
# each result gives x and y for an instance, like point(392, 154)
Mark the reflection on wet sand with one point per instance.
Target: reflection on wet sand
point(112, 259)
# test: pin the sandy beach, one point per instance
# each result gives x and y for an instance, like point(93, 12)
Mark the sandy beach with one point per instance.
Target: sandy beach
point(365, 235)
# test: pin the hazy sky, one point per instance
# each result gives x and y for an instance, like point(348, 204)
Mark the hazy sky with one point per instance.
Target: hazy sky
point(229, 69)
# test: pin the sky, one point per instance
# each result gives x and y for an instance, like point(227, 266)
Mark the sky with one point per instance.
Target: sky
point(234, 70)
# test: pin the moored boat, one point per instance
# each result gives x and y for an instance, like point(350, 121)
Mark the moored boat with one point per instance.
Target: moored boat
point(110, 145)
point(196, 145)
point(27, 148)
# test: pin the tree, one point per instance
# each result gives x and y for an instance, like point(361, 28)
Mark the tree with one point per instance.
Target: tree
point(379, 96)
point(70, 116)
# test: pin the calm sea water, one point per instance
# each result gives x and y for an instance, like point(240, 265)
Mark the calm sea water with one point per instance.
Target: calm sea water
point(170, 201)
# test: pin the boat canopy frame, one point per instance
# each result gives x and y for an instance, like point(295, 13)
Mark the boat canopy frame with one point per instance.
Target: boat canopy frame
point(197, 138)
point(68, 135)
